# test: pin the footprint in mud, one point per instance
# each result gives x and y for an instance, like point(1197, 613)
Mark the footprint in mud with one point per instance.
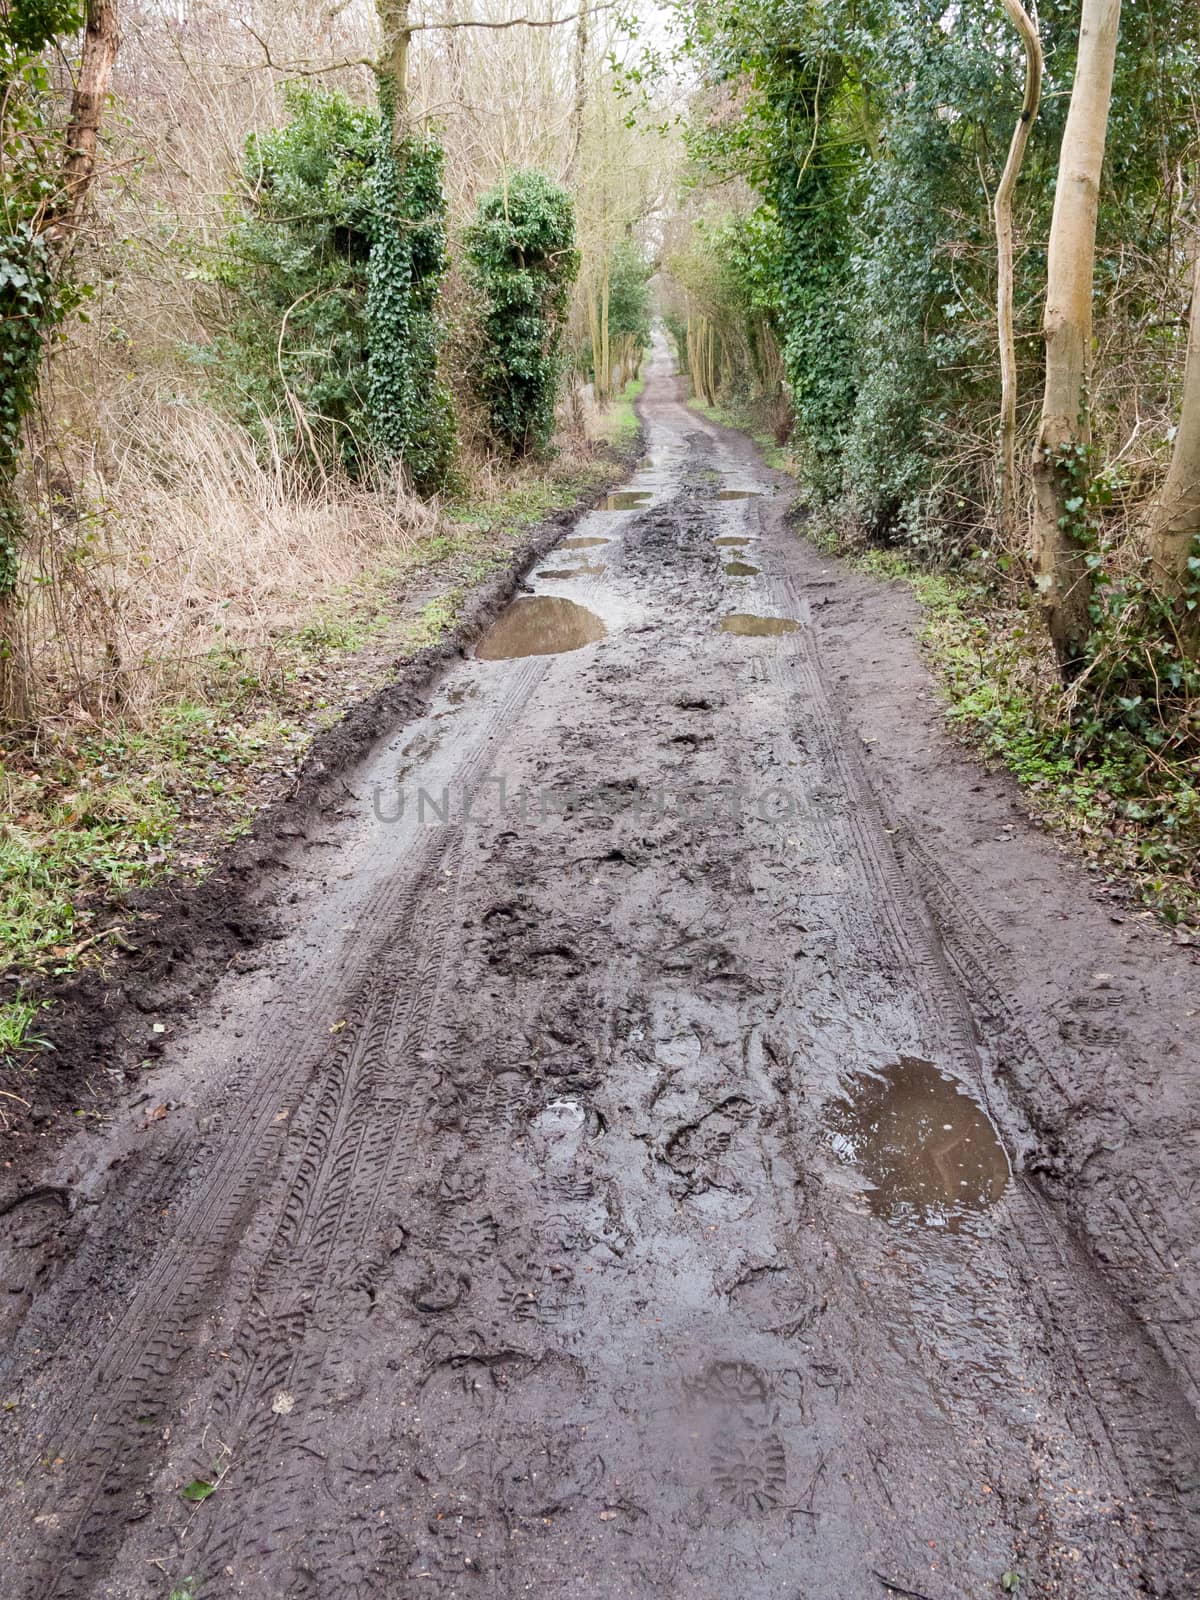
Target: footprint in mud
point(749, 1470)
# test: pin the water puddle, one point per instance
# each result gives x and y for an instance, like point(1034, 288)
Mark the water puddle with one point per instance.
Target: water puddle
point(731, 539)
point(741, 622)
point(572, 572)
point(740, 569)
point(581, 542)
point(928, 1150)
point(539, 625)
point(739, 494)
point(626, 500)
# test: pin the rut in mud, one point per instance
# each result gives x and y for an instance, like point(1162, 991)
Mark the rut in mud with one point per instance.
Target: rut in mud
point(607, 1187)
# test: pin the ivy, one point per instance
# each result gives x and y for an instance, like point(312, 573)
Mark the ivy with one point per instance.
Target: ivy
point(410, 410)
point(292, 325)
point(522, 257)
point(34, 297)
point(30, 307)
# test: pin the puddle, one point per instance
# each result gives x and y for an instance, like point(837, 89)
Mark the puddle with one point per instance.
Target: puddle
point(583, 543)
point(572, 572)
point(539, 625)
point(626, 500)
point(928, 1150)
point(757, 627)
point(731, 539)
point(740, 569)
point(739, 494)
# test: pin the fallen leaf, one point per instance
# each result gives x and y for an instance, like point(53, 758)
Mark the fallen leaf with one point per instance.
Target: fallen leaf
point(199, 1489)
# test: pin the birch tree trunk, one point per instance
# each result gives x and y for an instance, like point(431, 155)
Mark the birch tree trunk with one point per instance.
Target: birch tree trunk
point(1058, 551)
point(1175, 521)
point(1027, 29)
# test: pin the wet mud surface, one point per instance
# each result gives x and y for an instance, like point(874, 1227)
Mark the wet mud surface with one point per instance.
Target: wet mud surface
point(669, 1151)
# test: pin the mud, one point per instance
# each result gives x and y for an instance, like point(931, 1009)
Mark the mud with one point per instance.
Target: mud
point(674, 1148)
point(740, 569)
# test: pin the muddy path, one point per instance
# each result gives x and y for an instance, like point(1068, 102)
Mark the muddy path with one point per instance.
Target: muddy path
point(676, 1149)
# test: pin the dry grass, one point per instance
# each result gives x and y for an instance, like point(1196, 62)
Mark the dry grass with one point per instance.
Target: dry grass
point(180, 543)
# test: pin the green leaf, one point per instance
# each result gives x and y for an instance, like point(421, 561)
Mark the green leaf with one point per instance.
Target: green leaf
point(199, 1489)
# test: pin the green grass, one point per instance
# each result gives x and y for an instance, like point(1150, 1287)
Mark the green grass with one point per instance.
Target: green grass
point(18, 1027)
point(621, 424)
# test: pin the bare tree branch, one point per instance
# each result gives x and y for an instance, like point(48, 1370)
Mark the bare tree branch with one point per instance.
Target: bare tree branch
point(305, 67)
point(513, 22)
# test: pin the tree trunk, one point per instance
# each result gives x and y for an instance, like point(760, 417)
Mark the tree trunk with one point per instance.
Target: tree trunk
point(1027, 29)
point(392, 71)
point(605, 347)
point(577, 110)
point(1175, 521)
point(100, 41)
point(1059, 457)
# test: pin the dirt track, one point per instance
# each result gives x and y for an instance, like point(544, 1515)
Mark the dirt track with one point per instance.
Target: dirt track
point(561, 1207)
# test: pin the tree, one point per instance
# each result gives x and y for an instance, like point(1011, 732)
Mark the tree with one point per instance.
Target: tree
point(46, 187)
point(521, 250)
point(1175, 519)
point(1002, 209)
point(1061, 454)
point(293, 353)
point(409, 407)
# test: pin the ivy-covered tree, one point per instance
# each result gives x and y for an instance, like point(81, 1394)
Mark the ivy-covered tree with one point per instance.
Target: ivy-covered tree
point(294, 352)
point(47, 175)
point(411, 414)
point(523, 260)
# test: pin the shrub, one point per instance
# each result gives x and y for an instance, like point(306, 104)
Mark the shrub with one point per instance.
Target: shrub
point(293, 353)
point(522, 257)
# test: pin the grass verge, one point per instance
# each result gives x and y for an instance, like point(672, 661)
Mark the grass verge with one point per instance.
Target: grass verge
point(1134, 818)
